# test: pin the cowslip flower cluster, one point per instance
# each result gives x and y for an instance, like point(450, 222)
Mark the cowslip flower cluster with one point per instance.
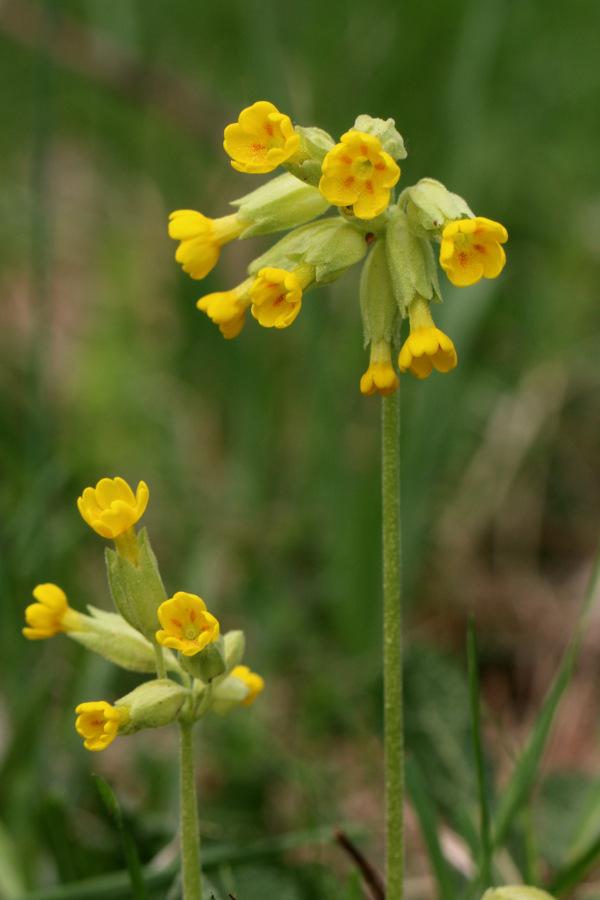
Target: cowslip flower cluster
point(149, 632)
point(394, 236)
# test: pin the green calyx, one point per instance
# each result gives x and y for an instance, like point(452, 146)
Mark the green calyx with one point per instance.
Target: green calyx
point(306, 163)
point(151, 705)
point(109, 635)
point(377, 303)
point(385, 131)
point(411, 262)
point(208, 663)
point(330, 246)
point(430, 207)
point(137, 591)
point(280, 204)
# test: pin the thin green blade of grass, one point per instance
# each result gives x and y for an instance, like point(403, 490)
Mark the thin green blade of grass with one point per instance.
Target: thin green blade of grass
point(484, 810)
point(526, 770)
point(567, 879)
point(425, 810)
point(132, 858)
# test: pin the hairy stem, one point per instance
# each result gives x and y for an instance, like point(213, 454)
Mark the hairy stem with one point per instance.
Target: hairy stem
point(392, 647)
point(190, 835)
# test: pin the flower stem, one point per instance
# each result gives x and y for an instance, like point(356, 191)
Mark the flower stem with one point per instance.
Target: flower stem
point(161, 671)
point(392, 647)
point(190, 835)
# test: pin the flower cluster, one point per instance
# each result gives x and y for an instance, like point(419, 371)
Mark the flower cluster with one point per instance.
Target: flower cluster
point(206, 671)
point(357, 177)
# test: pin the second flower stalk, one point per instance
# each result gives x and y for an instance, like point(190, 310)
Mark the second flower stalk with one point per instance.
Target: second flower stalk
point(204, 665)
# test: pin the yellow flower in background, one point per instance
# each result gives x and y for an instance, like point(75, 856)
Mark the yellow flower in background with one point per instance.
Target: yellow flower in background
point(427, 348)
point(253, 682)
point(380, 377)
point(358, 173)
point(50, 615)
point(201, 239)
point(186, 625)
point(111, 508)
point(227, 309)
point(471, 248)
point(276, 297)
point(97, 722)
point(261, 139)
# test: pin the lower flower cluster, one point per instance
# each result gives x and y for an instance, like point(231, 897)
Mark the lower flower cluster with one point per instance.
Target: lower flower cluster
point(356, 177)
point(148, 633)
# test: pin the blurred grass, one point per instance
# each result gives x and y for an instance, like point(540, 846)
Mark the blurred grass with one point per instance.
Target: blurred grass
point(260, 453)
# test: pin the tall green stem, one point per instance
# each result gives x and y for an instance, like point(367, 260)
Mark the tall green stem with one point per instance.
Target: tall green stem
point(392, 647)
point(190, 834)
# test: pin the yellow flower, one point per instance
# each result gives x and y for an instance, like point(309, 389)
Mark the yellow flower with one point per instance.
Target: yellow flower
point(358, 173)
point(110, 508)
point(253, 682)
point(426, 348)
point(187, 626)
point(97, 722)
point(471, 248)
point(227, 309)
point(276, 297)
point(261, 139)
point(50, 614)
point(380, 375)
point(201, 239)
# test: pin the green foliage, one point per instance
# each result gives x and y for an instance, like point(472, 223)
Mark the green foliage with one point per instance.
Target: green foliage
point(261, 456)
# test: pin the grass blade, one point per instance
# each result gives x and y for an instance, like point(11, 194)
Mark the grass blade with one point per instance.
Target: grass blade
point(526, 770)
point(484, 810)
point(129, 849)
point(425, 810)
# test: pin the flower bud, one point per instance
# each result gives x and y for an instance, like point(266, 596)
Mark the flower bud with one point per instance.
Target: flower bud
point(306, 163)
point(430, 206)
point(385, 131)
point(516, 892)
point(235, 644)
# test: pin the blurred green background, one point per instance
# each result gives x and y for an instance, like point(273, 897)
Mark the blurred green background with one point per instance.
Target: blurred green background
point(260, 453)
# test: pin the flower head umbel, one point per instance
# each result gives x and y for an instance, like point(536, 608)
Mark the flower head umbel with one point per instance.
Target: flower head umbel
point(186, 625)
point(393, 238)
point(111, 507)
point(358, 173)
point(261, 139)
point(50, 615)
point(227, 309)
point(253, 682)
point(380, 376)
point(201, 239)
point(471, 248)
point(276, 297)
point(97, 722)
point(426, 347)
